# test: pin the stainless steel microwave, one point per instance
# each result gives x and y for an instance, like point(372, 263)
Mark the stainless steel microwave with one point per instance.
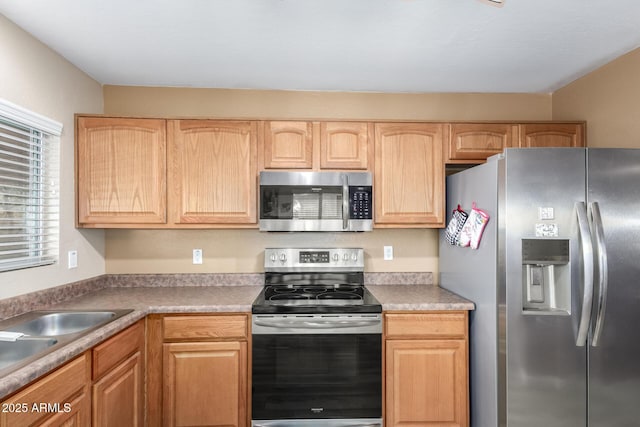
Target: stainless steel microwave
point(316, 201)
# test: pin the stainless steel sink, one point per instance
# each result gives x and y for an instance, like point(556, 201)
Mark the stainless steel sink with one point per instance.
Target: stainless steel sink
point(46, 331)
point(62, 323)
point(12, 352)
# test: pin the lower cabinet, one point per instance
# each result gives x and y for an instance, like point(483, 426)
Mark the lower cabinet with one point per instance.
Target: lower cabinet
point(104, 387)
point(61, 398)
point(426, 369)
point(205, 384)
point(198, 370)
point(118, 374)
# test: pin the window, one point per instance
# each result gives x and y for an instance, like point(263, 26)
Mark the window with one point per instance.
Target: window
point(29, 188)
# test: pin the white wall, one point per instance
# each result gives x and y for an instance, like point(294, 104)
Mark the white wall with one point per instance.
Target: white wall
point(35, 77)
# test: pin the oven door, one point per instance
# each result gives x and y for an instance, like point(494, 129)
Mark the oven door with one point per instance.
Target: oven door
point(318, 375)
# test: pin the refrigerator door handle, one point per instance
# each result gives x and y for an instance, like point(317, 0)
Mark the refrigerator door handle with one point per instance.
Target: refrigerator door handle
point(603, 273)
point(587, 262)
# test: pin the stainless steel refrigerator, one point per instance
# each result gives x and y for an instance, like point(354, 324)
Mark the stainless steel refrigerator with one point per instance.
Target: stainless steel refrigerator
point(555, 337)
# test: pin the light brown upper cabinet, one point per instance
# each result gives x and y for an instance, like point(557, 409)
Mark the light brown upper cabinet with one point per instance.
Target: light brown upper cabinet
point(121, 171)
point(288, 145)
point(552, 135)
point(409, 174)
point(213, 171)
point(475, 142)
point(317, 145)
point(345, 145)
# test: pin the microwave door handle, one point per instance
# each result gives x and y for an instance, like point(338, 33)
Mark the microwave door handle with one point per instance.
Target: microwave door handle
point(345, 201)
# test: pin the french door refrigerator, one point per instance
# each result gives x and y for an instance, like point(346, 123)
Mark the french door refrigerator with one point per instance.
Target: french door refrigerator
point(555, 336)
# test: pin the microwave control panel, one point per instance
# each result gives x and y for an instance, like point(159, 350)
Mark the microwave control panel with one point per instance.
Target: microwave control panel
point(360, 203)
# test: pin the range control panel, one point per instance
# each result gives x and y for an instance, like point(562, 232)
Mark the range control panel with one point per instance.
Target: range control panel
point(317, 259)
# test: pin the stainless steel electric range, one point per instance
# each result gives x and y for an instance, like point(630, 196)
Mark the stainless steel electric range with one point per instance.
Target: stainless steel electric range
point(317, 342)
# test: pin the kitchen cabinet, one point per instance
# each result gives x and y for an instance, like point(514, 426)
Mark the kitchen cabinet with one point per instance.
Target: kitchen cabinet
point(332, 145)
point(409, 174)
point(426, 369)
point(200, 173)
point(474, 142)
point(552, 135)
point(120, 171)
point(118, 375)
point(61, 398)
point(213, 172)
point(195, 359)
point(288, 145)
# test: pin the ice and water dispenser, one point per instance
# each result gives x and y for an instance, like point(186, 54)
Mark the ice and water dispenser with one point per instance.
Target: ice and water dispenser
point(546, 276)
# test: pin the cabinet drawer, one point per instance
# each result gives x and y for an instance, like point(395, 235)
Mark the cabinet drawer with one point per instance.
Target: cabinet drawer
point(205, 327)
point(436, 324)
point(56, 389)
point(117, 348)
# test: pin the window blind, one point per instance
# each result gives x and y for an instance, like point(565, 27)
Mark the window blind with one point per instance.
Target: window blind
point(29, 188)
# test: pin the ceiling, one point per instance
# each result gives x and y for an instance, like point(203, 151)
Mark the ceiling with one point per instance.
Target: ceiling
point(417, 46)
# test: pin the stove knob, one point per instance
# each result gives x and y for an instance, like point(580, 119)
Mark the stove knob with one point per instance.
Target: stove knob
point(336, 257)
point(345, 257)
point(273, 258)
point(354, 257)
point(283, 257)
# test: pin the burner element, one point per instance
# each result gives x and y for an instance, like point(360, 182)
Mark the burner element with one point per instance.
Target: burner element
point(314, 287)
point(339, 295)
point(282, 294)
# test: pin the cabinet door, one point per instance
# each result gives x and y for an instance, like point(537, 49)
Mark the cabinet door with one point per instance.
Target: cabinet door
point(118, 398)
point(65, 391)
point(288, 145)
point(121, 171)
point(78, 414)
point(213, 171)
point(477, 141)
point(205, 384)
point(344, 145)
point(409, 174)
point(552, 135)
point(426, 383)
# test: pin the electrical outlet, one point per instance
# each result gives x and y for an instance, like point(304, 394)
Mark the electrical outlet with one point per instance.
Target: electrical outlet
point(197, 256)
point(72, 259)
point(388, 253)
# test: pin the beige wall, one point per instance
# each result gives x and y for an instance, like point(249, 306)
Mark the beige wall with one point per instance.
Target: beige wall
point(150, 251)
point(36, 78)
point(609, 100)
point(183, 102)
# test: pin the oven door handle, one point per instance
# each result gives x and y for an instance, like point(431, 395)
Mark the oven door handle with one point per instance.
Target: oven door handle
point(315, 324)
